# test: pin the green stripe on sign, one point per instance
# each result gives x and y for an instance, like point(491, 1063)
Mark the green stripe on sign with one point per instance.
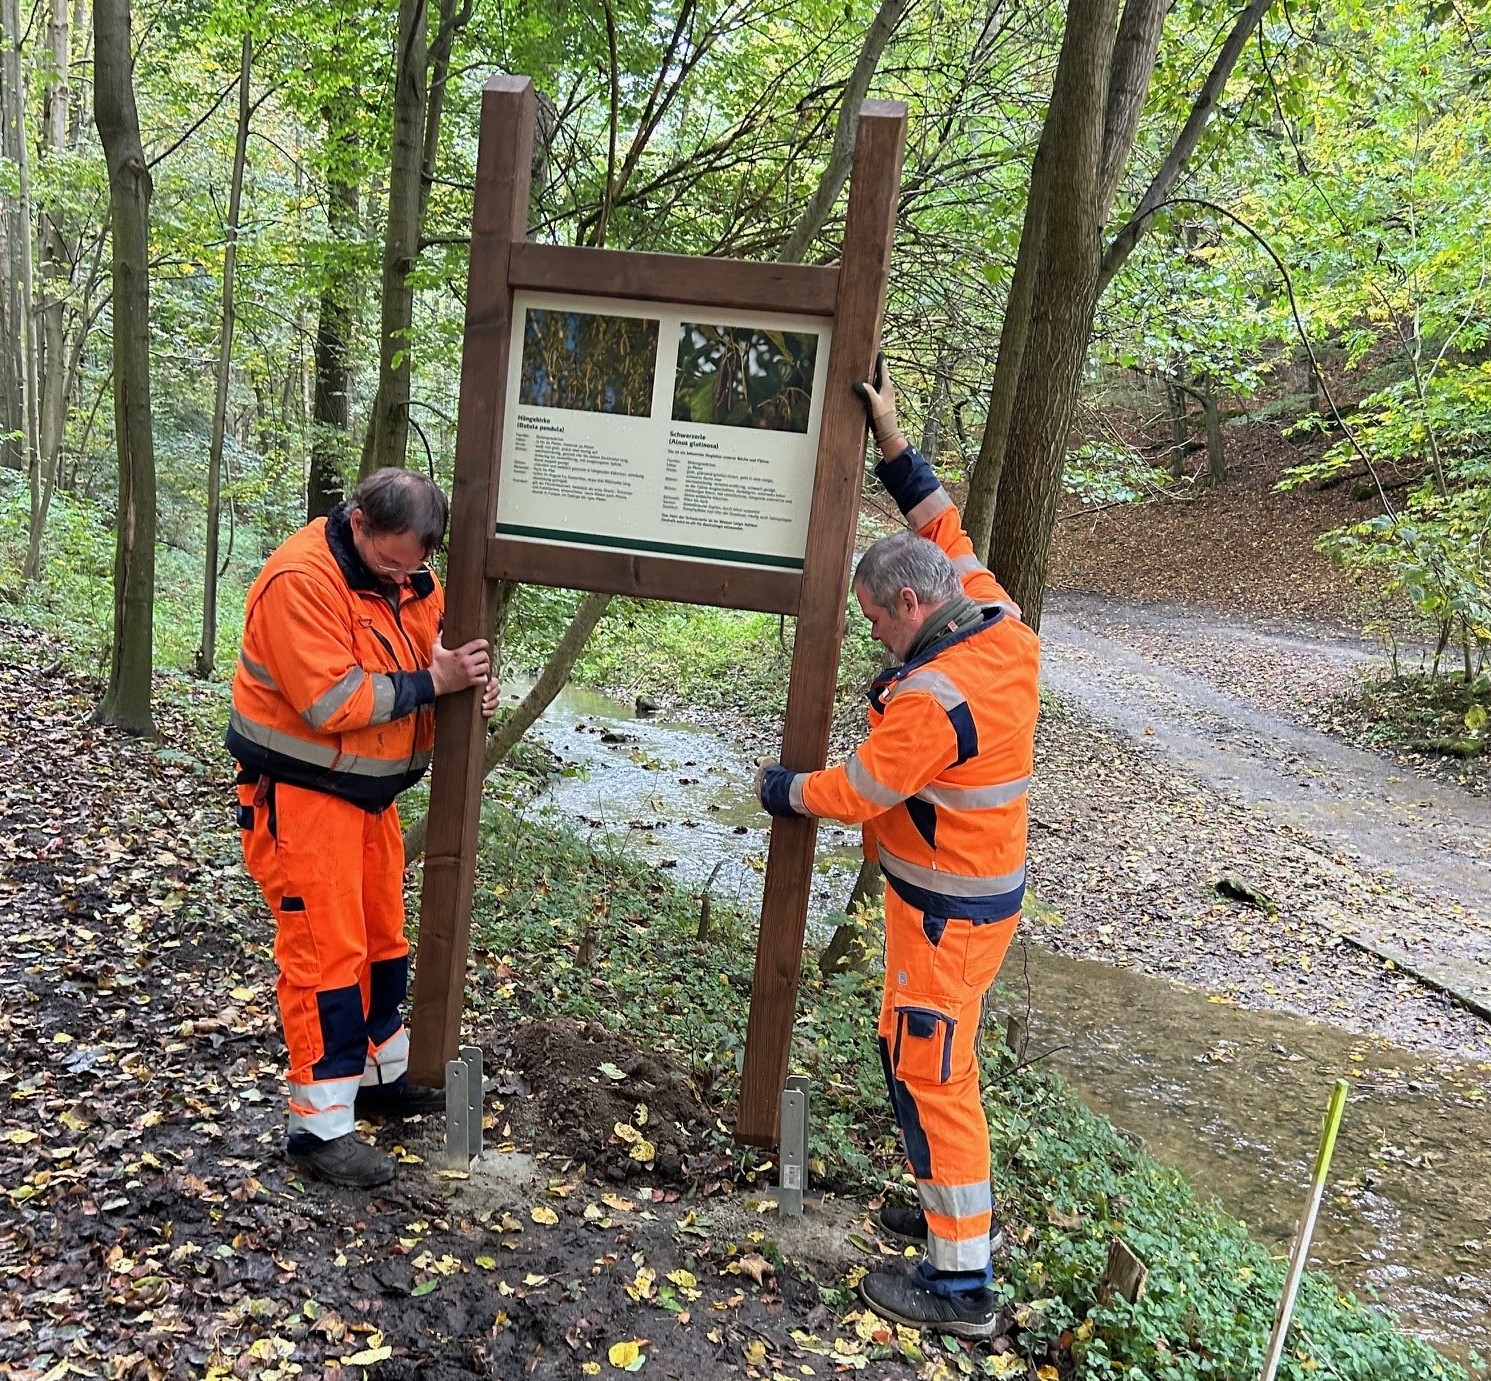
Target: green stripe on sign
point(593, 539)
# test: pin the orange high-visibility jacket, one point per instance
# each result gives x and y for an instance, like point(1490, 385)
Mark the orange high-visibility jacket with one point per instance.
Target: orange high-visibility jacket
point(940, 782)
point(333, 690)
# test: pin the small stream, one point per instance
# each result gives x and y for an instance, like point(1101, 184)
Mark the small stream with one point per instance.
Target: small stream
point(1231, 1098)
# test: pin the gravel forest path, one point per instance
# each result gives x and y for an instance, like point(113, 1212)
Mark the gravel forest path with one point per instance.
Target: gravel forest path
point(1231, 701)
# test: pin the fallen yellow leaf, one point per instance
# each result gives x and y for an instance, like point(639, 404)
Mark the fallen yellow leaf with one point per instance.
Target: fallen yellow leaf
point(623, 1355)
point(543, 1215)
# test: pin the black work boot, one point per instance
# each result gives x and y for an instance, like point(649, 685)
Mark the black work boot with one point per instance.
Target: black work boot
point(345, 1159)
point(904, 1299)
point(910, 1225)
point(401, 1099)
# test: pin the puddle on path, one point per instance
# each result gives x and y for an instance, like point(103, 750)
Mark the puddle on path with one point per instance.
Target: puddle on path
point(1231, 1098)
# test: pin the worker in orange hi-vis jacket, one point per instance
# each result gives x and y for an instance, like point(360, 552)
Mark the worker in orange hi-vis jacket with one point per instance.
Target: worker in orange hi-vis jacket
point(939, 787)
point(333, 715)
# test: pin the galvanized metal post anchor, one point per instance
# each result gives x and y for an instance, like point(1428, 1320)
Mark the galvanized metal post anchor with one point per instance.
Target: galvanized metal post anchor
point(471, 1057)
point(793, 1145)
point(463, 1109)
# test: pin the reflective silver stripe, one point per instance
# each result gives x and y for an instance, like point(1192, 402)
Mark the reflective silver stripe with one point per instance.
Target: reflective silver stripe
point(966, 565)
point(868, 785)
point(324, 1108)
point(974, 797)
point(324, 706)
point(321, 754)
point(262, 736)
point(388, 1061)
point(383, 695)
point(950, 884)
point(1009, 607)
point(932, 683)
point(259, 672)
point(794, 793)
point(922, 513)
point(955, 1200)
point(963, 1254)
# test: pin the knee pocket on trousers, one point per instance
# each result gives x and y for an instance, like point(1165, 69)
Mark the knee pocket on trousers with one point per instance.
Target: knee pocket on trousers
point(295, 944)
point(922, 1044)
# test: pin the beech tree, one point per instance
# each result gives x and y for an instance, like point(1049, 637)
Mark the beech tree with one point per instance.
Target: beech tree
point(126, 702)
point(1097, 100)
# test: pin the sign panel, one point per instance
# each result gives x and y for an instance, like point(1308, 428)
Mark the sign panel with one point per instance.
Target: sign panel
point(678, 431)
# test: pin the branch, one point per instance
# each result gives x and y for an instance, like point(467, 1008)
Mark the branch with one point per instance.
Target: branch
point(1190, 136)
point(842, 156)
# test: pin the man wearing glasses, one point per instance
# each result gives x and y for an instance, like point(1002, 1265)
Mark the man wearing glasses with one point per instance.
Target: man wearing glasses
point(333, 715)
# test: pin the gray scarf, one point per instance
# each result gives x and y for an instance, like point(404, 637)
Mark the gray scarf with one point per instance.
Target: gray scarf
point(959, 612)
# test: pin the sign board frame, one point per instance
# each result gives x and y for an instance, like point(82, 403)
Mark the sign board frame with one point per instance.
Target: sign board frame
point(852, 296)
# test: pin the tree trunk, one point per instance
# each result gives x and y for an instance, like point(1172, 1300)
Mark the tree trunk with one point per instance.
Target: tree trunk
point(522, 716)
point(12, 354)
point(388, 426)
point(1216, 456)
point(1062, 306)
point(841, 156)
point(55, 377)
point(1185, 143)
point(988, 468)
point(331, 416)
point(18, 148)
point(846, 946)
point(79, 116)
point(1180, 428)
point(207, 652)
point(1093, 104)
point(126, 702)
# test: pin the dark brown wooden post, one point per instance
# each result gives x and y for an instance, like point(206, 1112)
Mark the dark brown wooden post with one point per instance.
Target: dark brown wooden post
point(864, 270)
point(499, 219)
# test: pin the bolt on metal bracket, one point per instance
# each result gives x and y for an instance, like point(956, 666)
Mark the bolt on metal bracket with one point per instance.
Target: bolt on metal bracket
point(793, 1145)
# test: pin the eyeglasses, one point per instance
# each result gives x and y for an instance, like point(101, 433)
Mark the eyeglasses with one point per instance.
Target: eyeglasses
point(397, 572)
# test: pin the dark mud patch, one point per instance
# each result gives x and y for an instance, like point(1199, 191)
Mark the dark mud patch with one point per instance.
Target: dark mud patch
point(594, 1097)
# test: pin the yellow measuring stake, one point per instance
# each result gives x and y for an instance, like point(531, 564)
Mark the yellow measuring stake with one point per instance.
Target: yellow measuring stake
point(1305, 1231)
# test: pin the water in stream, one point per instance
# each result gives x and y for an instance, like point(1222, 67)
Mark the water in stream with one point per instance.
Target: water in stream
point(1231, 1098)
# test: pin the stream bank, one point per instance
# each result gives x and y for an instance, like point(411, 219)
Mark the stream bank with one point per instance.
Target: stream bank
point(1228, 1094)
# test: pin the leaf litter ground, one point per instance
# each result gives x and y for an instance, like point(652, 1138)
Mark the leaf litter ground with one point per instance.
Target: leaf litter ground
point(152, 1227)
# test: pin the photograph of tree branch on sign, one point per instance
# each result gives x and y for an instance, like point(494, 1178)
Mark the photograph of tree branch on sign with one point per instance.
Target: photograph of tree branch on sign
point(741, 376)
point(588, 362)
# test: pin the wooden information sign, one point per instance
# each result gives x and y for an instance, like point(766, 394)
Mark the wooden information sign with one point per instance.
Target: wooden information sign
point(715, 458)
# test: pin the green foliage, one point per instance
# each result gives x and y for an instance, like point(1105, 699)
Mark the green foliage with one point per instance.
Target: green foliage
point(75, 600)
point(709, 657)
point(1434, 548)
point(1106, 472)
point(1057, 1167)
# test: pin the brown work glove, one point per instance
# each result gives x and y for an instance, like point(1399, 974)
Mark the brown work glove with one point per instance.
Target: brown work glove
point(878, 395)
point(761, 766)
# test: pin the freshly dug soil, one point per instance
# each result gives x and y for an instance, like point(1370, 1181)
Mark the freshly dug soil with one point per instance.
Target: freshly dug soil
point(575, 1101)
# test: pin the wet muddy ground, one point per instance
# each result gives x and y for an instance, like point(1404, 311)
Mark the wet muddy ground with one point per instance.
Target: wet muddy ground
point(152, 1227)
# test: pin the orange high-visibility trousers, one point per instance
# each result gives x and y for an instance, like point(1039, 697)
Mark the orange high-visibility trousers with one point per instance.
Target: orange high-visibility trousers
point(936, 974)
point(333, 875)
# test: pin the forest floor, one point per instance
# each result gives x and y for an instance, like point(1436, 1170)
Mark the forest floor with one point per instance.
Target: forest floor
point(153, 1227)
